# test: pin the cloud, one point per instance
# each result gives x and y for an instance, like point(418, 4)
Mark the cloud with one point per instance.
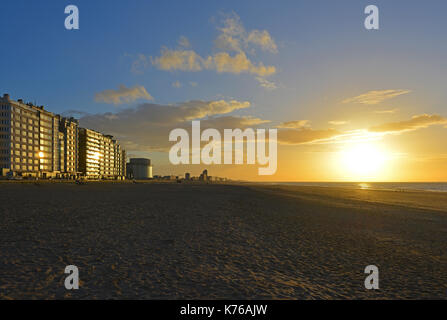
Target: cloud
point(390, 111)
point(201, 109)
point(294, 124)
point(231, 122)
point(416, 122)
point(184, 42)
point(375, 97)
point(337, 122)
point(177, 84)
point(231, 34)
point(299, 132)
point(234, 37)
point(147, 127)
point(123, 95)
point(262, 39)
point(224, 62)
point(234, 44)
point(140, 64)
point(184, 60)
point(296, 135)
point(326, 136)
point(266, 83)
point(305, 136)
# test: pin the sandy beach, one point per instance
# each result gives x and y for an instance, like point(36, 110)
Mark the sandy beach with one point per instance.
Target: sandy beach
point(198, 241)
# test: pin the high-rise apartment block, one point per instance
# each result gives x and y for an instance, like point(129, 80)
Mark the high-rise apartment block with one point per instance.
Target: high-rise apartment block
point(35, 142)
point(69, 141)
point(100, 155)
point(28, 141)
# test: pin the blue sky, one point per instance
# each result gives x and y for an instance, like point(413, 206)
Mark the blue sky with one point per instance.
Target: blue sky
point(324, 55)
point(63, 69)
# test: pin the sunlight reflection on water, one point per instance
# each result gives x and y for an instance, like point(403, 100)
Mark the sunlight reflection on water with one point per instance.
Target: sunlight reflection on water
point(396, 186)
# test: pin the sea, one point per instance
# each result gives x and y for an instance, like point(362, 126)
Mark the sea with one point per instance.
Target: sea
point(395, 186)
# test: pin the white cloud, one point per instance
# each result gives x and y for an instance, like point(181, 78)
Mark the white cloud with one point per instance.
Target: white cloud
point(123, 95)
point(185, 60)
point(224, 62)
point(262, 39)
point(376, 96)
point(270, 85)
point(234, 43)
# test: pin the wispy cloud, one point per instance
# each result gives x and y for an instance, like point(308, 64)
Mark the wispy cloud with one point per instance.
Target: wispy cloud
point(390, 111)
point(123, 95)
point(140, 64)
point(376, 97)
point(337, 122)
point(296, 132)
point(297, 124)
point(325, 136)
point(270, 85)
point(184, 42)
point(416, 122)
point(305, 136)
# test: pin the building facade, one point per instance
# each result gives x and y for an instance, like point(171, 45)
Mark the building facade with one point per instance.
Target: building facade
point(68, 146)
point(29, 139)
point(35, 142)
point(100, 156)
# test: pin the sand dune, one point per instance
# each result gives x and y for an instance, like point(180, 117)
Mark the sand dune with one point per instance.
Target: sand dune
point(175, 241)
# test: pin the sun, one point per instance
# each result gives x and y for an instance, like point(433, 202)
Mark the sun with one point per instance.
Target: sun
point(362, 161)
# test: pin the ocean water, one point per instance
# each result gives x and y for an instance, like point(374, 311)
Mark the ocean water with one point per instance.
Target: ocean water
point(396, 186)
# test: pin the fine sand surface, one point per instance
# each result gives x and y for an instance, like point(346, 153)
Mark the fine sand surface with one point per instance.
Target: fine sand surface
point(186, 241)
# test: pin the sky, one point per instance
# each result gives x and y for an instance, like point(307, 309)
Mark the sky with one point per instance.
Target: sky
point(349, 104)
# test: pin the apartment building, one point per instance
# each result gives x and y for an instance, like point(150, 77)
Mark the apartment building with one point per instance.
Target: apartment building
point(100, 156)
point(28, 143)
point(35, 142)
point(68, 141)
